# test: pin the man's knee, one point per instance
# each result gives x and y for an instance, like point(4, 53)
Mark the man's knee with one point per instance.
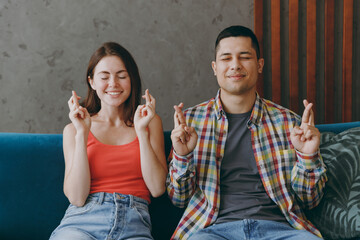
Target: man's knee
point(201, 235)
point(303, 234)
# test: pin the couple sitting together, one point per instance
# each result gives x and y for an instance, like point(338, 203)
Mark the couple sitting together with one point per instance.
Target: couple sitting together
point(244, 167)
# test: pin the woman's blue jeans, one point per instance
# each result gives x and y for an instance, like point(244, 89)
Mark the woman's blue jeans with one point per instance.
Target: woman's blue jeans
point(106, 216)
point(249, 229)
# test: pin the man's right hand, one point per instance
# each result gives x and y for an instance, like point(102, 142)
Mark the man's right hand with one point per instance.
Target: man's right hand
point(183, 138)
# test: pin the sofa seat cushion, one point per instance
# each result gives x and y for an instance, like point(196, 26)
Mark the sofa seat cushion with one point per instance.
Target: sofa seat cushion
point(338, 214)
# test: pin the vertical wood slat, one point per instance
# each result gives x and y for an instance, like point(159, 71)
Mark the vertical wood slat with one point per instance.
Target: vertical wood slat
point(275, 51)
point(294, 54)
point(329, 60)
point(347, 60)
point(311, 51)
point(259, 29)
point(331, 91)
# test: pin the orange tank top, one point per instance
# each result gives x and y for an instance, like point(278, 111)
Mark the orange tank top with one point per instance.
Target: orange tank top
point(116, 168)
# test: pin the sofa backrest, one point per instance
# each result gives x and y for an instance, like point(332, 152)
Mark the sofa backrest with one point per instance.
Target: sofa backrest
point(32, 202)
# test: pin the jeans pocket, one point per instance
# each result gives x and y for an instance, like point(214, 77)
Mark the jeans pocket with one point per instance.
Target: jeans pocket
point(143, 212)
point(73, 210)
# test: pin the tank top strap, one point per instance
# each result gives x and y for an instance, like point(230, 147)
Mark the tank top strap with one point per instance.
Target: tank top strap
point(91, 139)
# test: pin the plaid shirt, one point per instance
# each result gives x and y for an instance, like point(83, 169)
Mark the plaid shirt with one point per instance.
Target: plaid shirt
point(294, 181)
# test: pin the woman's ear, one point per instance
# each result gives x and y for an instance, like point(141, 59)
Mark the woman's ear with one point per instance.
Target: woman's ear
point(91, 82)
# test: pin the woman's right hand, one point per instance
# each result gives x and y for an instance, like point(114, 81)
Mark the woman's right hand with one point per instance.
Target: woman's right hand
point(79, 115)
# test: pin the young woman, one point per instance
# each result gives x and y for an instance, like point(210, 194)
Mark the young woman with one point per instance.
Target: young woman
point(114, 153)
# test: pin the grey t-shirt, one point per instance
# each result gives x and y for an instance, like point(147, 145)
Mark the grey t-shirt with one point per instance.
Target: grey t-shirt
point(242, 194)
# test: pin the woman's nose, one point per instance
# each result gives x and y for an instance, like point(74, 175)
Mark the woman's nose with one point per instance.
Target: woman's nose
point(113, 81)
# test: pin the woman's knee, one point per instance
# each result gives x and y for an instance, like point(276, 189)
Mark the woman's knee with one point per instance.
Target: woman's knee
point(71, 233)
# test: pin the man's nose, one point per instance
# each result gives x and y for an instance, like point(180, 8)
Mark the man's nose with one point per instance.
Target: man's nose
point(236, 64)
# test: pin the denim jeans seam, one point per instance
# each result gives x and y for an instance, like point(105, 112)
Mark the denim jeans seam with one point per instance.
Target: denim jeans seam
point(118, 213)
point(142, 217)
point(78, 229)
point(80, 210)
point(101, 198)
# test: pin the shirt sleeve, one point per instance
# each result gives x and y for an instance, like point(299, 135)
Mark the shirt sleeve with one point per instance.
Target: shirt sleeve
point(308, 178)
point(181, 179)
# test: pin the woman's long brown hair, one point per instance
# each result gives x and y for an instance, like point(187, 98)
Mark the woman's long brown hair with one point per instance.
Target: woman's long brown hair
point(92, 102)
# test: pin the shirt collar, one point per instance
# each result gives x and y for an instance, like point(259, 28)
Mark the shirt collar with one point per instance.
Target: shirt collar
point(256, 113)
point(219, 110)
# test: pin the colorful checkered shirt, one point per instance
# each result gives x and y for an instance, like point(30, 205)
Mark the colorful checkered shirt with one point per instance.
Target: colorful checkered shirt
point(294, 181)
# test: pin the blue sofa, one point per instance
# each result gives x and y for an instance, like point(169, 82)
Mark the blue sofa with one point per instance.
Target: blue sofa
point(32, 202)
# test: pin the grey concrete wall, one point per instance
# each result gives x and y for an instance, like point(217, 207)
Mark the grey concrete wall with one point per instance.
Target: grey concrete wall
point(45, 46)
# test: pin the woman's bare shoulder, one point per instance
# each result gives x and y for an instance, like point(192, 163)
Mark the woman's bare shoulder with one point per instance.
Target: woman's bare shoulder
point(69, 130)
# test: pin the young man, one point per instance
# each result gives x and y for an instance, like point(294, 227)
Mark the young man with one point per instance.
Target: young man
point(244, 167)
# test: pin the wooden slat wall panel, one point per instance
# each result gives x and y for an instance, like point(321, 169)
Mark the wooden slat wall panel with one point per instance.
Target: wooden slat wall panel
point(275, 51)
point(259, 29)
point(329, 60)
point(347, 59)
point(332, 63)
point(311, 51)
point(294, 54)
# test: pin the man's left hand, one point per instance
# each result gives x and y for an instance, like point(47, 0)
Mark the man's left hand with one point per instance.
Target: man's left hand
point(306, 138)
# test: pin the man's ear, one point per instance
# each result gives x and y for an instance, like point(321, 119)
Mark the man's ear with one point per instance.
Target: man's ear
point(213, 66)
point(91, 82)
point(261, 63)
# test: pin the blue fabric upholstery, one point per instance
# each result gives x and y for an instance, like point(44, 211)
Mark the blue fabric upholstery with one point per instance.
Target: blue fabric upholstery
point(338, 214)
point(32, 202)
point(31, 175)
point(337, 127)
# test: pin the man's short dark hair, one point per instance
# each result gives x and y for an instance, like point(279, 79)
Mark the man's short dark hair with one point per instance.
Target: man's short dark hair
point(239, 31)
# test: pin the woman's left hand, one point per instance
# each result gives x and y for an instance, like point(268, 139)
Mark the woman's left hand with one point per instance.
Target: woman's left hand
point(144, 113)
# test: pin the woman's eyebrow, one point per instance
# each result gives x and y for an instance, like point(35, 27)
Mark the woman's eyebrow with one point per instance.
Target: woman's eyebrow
point(106, 72)
point(121, 71)
point(103, 72)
